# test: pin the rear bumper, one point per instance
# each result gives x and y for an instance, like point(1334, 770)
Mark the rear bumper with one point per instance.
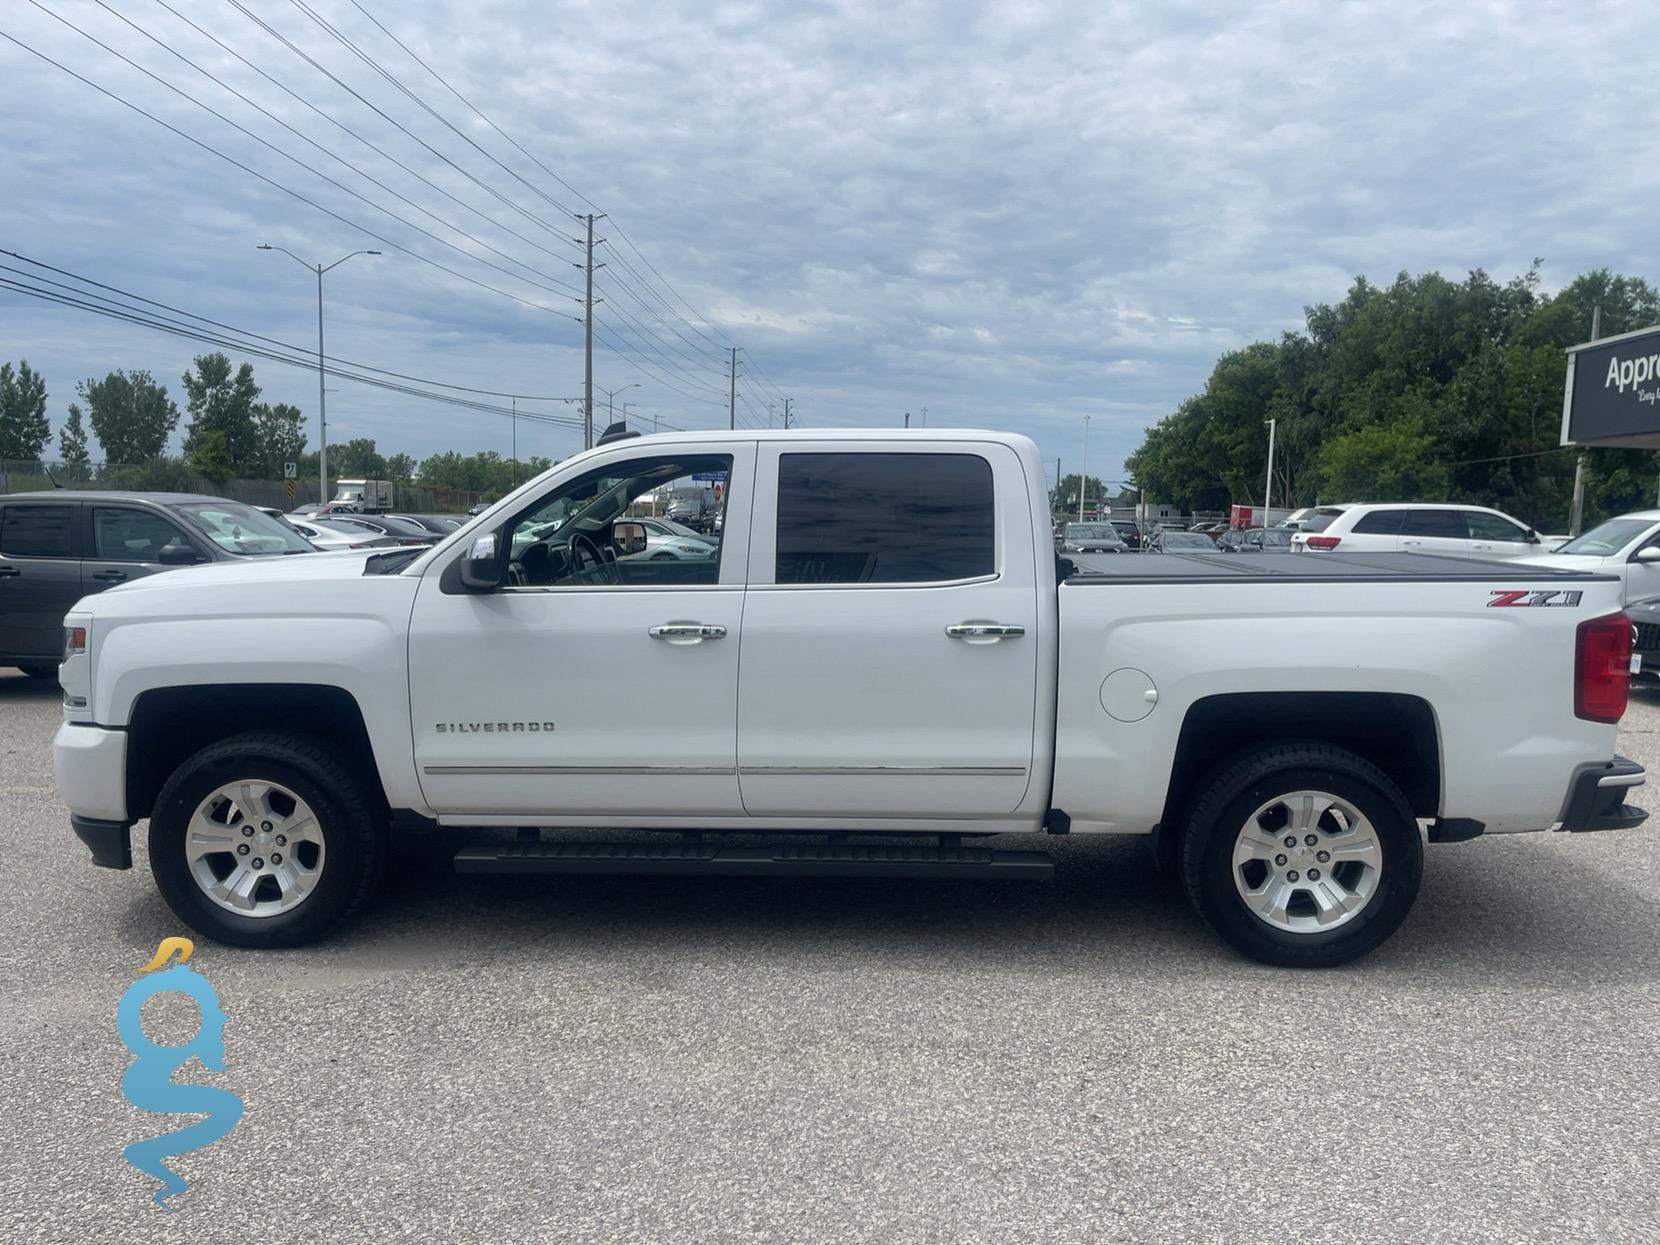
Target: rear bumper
point(1596, 797)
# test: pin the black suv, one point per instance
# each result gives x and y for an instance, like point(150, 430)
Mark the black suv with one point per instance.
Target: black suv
point(58, 547)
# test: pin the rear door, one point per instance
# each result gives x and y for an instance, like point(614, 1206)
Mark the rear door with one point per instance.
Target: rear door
point(889, 660)
point(125, 541)
point(1431, 530)
point(40, 576)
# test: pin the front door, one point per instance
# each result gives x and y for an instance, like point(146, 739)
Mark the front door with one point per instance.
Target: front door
point(125, 542)
point(600, 679)
point(40, 577)
point(890, 648)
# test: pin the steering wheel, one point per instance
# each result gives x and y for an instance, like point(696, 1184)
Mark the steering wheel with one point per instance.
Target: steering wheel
point(607, 570)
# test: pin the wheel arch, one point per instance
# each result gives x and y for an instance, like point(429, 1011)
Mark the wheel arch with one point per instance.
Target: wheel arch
point(169, 724)
point(1396, 732)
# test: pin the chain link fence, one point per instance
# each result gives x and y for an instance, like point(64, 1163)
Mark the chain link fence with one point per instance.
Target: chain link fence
point(172, 476)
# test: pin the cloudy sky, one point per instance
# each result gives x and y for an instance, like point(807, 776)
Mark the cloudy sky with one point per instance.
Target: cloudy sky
point(1012, 214)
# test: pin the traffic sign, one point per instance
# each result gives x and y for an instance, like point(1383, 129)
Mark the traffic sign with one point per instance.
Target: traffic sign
point(290, 471)
point(708, 475)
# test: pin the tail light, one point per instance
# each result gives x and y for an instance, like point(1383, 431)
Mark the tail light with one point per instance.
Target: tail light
point(1602, 668)
point(1322, 542)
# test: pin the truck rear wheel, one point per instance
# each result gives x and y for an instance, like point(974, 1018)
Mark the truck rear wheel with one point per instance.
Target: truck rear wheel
point(1302, 855)
point(265, 839)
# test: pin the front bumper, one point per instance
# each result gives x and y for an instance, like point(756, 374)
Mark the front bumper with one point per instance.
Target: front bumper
point(89, 768)
point(1596, 797)
point(111, 841)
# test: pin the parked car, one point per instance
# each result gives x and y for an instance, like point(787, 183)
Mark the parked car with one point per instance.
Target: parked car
point(334, 539)
point(1645, 638)
point(1130, 531)
point(1092, 538)
point(438, 524)
point(57, 547)
point(402, 531)
point(1257, 540)
point(1415, 527)
point(1628, 546)
point(669, 528)
point(1177, 540)
point(883, 646)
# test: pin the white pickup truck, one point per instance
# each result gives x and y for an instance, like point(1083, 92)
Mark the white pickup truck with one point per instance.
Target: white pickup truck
point(879, 662)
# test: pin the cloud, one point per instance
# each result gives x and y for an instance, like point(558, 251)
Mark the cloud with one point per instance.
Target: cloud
point(1012, 214)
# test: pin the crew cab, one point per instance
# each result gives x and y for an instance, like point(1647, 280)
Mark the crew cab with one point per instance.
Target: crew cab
point(882, 664)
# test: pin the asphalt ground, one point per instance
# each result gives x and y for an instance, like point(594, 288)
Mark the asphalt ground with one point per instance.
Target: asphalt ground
point(662, 1059)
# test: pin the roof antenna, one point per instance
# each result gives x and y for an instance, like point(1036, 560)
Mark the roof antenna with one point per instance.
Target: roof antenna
point(50, 476)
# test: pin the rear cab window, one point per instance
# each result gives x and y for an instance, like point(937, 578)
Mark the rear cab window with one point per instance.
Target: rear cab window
point(1320, 520)
point(869, 517)
point(37, 530)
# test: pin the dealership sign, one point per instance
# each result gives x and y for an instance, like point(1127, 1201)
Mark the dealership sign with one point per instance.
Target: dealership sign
point(1613, 392)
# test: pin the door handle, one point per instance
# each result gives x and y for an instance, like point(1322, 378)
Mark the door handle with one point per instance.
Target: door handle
point(113, 577)
point(686, 632)
point(984, 631)
point(9, 572)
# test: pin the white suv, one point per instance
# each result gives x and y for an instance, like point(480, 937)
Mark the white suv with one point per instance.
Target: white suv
point(1471, 531)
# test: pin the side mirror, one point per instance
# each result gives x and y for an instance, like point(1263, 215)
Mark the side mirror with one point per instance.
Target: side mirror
point(481, 568)
point(627, 538)
point(1650, 554)
point(177, 553)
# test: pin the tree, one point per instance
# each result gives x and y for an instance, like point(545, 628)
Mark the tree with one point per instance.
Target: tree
point(72, 444)
point(24, 428)
point(400, 467)
point(1394, 462)
point(357, 457)
point(1064, 496)
point(131, 416)
point(280, 431)
point(221, 401)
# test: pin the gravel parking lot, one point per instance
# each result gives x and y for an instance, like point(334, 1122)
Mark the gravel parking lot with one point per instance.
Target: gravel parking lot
point(661, 1059)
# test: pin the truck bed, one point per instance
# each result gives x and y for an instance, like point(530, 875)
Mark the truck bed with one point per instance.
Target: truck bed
point(1192, 568)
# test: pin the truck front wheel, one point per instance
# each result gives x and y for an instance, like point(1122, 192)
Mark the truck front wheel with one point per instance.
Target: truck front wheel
point(1302, 855)
point(265, 839)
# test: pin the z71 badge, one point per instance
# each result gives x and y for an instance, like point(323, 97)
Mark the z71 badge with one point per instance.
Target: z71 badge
point(1521, 597)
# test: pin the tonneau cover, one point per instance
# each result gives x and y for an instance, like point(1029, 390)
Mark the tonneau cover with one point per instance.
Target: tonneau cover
point(1200, 567)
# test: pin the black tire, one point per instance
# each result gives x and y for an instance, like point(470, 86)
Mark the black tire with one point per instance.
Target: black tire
point(353, 830)
point(40, 672)
point(1237, 790)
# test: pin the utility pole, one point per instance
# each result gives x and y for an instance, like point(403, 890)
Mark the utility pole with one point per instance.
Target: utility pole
point(907, 419)
point(924, 417)
point(515, 442)
point(732, 392)
point(1083, 480)
point(588, 336)
point(769, 414)
point(1268, 486)
point(1577, 514)
point(787, 402)
point(322, 369)
point(1058, 482)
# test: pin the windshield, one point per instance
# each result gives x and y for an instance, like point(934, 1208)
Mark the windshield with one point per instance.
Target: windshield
point(1609, 537)
point(1091, 531)
point(241, 529)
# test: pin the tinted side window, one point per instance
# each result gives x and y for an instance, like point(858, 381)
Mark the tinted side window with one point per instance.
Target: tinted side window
point(1320, 520)
point(1438, 523)
point(884, 518)
point(28, 531)
point(1491, 527)
point(1379, 523)
point(123, 535)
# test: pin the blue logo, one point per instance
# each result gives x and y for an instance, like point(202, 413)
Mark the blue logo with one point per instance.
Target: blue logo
point(148, 1083)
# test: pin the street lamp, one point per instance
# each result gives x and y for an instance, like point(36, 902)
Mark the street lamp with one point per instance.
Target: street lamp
point(610, 399)
point(322, 412)
point(1083, 480)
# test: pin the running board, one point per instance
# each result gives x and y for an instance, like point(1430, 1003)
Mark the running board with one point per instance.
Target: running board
point(708, 859)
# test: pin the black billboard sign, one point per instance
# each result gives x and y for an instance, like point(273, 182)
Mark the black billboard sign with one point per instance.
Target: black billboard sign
point(1612, 395)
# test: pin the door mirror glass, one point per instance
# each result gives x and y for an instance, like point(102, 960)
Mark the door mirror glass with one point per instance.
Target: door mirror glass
point(1650, 554)
point(481, 569)
point(628, 538)
point(177, 553)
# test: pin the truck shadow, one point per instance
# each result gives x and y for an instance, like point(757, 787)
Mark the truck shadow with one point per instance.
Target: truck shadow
point(18, 688)
point(1521, 910)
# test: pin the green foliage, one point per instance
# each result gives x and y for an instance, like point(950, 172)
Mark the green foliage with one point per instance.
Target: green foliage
point(356, 458)
point(159, 475)
point(222, 439)
point(72, 444)
point(131, 415)
point(400, 468)
point(1425, 389)
point(24, 428)
point(1064, 496)
point(280, 432)
point(487, 472)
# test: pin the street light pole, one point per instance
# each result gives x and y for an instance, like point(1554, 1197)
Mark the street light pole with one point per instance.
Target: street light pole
point(322, 367)
point(611, 399)
point(1268, 485)
point(1083, 480)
